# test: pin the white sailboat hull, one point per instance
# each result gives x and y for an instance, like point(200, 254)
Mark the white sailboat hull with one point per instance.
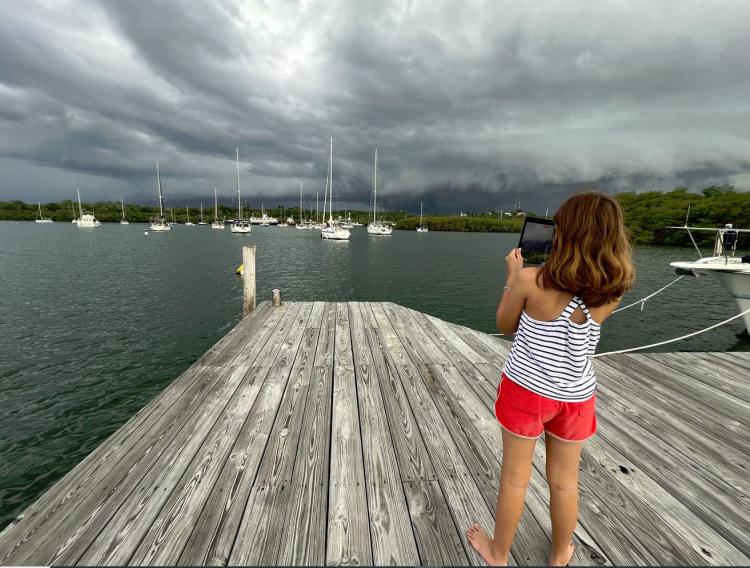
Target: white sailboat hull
point(160, 227)
point(335, 234)
point(378, 229)
point(217, 225)
point(87, 221)
point(422, 229)
point(124, 223)
point(44, 221)
point(241, 228)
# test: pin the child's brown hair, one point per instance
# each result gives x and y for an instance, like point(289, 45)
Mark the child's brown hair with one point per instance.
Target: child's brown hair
point(591, 254)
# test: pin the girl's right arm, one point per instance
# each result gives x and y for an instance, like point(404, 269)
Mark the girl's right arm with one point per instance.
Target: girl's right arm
point(514, 293)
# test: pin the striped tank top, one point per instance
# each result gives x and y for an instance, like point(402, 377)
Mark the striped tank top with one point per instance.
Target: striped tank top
point(553, 358)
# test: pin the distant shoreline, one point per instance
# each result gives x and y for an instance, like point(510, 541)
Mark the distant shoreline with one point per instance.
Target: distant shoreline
point(647, 215)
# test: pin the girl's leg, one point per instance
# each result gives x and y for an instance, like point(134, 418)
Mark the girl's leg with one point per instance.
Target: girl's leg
point(514, 478)
point(562, 475)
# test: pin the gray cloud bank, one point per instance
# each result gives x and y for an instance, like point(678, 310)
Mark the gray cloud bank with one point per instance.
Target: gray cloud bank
point(472, 104)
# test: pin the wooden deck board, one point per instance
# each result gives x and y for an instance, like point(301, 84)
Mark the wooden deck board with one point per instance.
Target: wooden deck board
point(353, 433)
point(43, 518)
point(390, 524)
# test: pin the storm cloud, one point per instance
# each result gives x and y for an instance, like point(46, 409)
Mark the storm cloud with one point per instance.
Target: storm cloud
point(473, 105)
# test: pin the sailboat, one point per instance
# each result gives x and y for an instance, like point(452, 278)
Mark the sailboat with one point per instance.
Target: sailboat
point(301, 225)
point(43, 219)
point(202, 222)
point(189, 224)
point(75, 217)
point(422, 227)
point(86, 220)
point(123, 221)
point(377, 227)
point(159, 224)
point(332, 230)
point(240, 225)
point(216, 223)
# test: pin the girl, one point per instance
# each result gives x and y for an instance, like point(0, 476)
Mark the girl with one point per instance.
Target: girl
point(548, 383)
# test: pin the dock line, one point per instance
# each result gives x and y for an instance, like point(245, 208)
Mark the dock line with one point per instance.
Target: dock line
point(672, 340)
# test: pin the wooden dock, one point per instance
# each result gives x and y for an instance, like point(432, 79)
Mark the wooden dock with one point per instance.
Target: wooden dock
point(364, 433)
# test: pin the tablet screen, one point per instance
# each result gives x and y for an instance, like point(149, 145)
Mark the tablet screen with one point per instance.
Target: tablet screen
point(536, 240)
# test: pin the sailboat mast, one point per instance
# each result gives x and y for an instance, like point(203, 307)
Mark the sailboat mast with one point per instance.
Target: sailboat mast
point(317, 213)
point(239, 201)
point(216, 206)
point(188, 213)
point(80, 209)
point(40, 209)
point(300, 203)
point(325, 193)
point(330, 169)
point(158, 184)
point(122, 205)
point(201, 212)
point(375, 190)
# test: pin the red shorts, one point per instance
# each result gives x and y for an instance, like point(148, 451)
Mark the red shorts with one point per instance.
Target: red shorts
point(527, 414)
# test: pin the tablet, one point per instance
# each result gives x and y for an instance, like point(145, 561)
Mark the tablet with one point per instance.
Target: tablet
point(536, 239)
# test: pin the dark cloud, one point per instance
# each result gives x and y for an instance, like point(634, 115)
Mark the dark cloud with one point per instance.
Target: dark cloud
point(473, 105)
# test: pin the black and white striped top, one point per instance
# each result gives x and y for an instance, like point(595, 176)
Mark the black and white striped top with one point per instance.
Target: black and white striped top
point(553, 358)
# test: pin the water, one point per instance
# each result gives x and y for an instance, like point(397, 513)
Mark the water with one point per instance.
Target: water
point(94, 323)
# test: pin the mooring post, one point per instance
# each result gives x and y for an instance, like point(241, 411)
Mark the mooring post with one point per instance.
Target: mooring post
point(276, 302)
point(248, 278)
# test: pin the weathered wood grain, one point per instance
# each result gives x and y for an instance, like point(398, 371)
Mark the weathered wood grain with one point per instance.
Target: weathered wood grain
point(721, 439)
point(86, 500)
point(348, 531)
point(175, 398)
point(464, 497)
point(119, 538)
point(350, 433)
point(259, 537)
point(306, 527)
point(390, 524)
point(166, 538)
point(437, 538)
point(413, 462)
point(678, 472)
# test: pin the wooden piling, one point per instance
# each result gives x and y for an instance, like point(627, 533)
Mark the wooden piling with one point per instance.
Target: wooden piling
point(276, 301)
point(248, 277)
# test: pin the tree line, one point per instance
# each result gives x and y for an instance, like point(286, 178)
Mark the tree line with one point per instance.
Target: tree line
point(647, 214)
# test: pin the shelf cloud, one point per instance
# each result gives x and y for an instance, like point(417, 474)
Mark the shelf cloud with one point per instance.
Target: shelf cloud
point(473, 105)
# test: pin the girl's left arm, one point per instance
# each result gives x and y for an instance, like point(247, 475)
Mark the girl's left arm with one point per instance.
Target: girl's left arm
point(514, 293)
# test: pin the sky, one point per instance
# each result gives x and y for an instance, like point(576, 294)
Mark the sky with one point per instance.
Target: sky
point(472, 105)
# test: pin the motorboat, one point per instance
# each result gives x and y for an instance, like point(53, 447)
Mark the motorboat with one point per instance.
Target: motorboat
point(732, 272)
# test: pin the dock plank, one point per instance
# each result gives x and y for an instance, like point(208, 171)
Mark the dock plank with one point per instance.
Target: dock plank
point(364, 432)
point(305, 542)
point(413, 462)
point(390, 524)
point(119, 537)
point(177, 396)
point(258, 538)
point(84, 498)
point(348, 531)
point(464, 498)
point(165, 540)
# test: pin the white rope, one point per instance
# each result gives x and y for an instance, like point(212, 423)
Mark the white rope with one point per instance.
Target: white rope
point(642, 301)
point(675, 339)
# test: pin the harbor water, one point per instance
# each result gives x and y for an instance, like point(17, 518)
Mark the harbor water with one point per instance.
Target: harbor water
point(94, 323)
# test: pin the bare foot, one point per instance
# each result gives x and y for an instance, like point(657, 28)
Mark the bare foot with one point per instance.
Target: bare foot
point(482, 543)
point(564, 561)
